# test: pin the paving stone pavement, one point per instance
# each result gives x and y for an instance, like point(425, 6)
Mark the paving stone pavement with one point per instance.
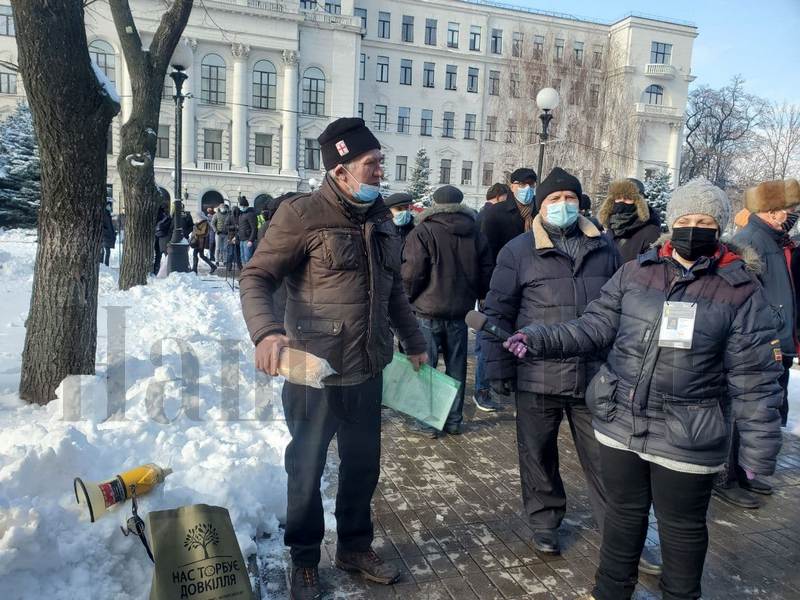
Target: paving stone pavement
point(447, 513)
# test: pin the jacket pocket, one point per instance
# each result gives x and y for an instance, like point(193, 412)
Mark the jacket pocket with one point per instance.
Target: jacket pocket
point(695, 425)
point(306, 329)
point(342, 249)
point(600, 395)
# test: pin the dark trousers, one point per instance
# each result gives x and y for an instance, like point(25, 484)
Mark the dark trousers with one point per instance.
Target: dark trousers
point(199, 253)
point(233, 256)
point(353, 415)
point(105, 255)
point(538, 421)
point(157, 259)
point(449, 335)
point(784, 381)
point(680, 501)
point(481, 383)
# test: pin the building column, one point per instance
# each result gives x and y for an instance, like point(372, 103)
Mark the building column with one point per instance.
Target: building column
point(290, 109)
point(239, 108)
point(190, 86)
point(676, 130)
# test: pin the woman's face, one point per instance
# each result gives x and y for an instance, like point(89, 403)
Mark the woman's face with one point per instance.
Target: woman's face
point(696, 220)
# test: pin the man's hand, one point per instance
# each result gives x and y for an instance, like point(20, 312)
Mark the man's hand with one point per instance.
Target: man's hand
point(249, 243)
point(503, 387)
point(417, 360)
point(516, 344)
point(268, 352)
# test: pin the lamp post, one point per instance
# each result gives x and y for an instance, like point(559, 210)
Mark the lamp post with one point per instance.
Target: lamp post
point(547, 100)
point(178, 259)
point(313, 183)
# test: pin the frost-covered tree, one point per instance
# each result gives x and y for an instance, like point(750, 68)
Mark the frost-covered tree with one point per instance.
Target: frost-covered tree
point(658, 190)
point(419, 185)
point(20, 175)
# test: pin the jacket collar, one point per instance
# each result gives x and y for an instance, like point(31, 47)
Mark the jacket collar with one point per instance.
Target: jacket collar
point(726, 262)
point(758, 224)
point(439, 209)
point(542, 240)
point(376, 213)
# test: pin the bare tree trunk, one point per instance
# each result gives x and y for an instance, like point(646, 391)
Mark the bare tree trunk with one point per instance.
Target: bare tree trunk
point(147, 69)
point(71, 115)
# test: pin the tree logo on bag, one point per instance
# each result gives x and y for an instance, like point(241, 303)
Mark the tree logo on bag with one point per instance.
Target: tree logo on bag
point(201, 536)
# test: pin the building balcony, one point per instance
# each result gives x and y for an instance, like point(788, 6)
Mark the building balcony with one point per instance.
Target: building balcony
point(659, 70)
point(212, 165)
point(273, 6)
point(321, 16)
point(658, 110)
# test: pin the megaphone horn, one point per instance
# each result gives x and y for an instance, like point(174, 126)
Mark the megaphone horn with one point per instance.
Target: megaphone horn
point(100, 496)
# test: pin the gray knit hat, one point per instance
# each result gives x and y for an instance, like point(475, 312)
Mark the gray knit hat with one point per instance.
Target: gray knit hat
point(699, 196)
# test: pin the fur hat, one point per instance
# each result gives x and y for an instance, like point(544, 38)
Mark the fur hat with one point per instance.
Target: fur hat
point(772, 195)
point(623, 188)
point(699, 196)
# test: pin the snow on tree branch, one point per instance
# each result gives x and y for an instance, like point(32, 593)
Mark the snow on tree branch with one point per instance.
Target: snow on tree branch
point(107, 86)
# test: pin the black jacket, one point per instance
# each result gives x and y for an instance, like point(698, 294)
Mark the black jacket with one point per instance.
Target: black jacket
point(447, 264)
point(232, 225)
point(673, 403)
point(248, 225)
point(500, 223)
point(774, 274)
point(535, 282)
point(404, 230)
point(109, 232)
point(186, 227)
point(636, 238)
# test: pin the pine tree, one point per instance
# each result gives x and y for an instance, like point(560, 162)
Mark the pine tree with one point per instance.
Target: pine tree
point(602, 188)
point(658, 190)
point(419, 185)
point(20, 175)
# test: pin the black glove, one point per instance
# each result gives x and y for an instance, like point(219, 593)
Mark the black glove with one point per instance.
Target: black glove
point(503, 387)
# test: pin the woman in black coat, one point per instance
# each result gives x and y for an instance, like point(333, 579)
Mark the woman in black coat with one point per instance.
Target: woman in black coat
point(109, 235)
point(693, 350)
point(633, 225)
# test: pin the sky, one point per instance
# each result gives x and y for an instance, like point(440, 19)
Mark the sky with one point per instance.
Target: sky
point(758, 39)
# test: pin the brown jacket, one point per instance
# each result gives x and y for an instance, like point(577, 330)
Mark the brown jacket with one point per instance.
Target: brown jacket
point(343, 285)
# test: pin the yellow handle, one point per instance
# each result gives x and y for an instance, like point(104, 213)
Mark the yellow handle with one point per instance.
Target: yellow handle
point(144, 477)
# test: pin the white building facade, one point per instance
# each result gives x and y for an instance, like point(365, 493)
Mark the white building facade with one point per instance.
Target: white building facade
point(266, 77)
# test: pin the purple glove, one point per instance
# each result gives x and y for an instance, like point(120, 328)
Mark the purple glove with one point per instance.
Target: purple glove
point(516, 344)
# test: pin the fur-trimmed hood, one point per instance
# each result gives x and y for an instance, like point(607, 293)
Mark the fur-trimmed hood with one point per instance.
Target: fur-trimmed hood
point(623, 188)
point(445, 209)
point(750, 258)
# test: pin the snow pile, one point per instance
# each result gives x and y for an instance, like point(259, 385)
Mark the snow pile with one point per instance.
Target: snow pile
point(188, 368)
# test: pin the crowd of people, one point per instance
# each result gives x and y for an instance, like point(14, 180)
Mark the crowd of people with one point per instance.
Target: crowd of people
point(666, 346)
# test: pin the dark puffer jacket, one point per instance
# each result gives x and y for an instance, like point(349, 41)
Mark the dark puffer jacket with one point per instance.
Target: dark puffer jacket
point(248, 225)
point(772, 247)
point(534, 282)
point(673, 403)
point(343, 285)
point(501, 223)
point(447, 263)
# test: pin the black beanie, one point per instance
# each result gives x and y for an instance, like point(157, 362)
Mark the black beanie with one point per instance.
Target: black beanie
point(557, 181)
point(522, 175)
point(345, 139)
point(448, 194)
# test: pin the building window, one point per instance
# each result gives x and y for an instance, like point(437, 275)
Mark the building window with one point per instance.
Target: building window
point(362, 67)
point(379, 122)
point(428, 73)
point(264, 85)
point(110, 139)
point(451, 77)
point(333, 7)
point(516, 44)
point(384, 25)
point(597, 56)
point(263, 149)
point(162, 142)
point(212, 144)
point(212, 79)
point(401, 168)
point(494, 83)
point(103, 56)
point(452, 35)
point(6, 21)
point(444, 171)
point(312, 155)
point(534, 87)
point(575, 93)
point(466, 172)
point(475, 38)
point(594, 95)
point(426, 124)
point(8, 83)
point(491, 129)
point(655, 94)
point(383, 69)
point(362, 13)
point(577, 50)
point(469, 126)
point(448, 124)
point(660, 54)
point(408, 28)
point(511, 132)
point(313, 92)
point(430, 32)
point(405, 71)
point(472, 80)
point(360, 110)
point(514, 87)
point(538, 47)
point(404, 120)
point(497, 41)
point(559, 56)
point(488, 173)
point(308, 4)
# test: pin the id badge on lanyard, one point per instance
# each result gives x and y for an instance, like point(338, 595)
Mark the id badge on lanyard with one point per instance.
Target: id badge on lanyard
point(677, 325)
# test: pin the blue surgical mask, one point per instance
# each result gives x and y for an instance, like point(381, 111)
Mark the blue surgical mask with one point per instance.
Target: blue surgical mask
point(366, 193)
point(562, 214)
point(524, 195)
point(402, 218)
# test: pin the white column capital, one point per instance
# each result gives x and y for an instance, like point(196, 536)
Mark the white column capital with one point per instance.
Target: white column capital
point(240, 51)
point(290, 58)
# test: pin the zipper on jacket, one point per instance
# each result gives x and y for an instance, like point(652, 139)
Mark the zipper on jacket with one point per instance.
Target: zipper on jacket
point(370, 296)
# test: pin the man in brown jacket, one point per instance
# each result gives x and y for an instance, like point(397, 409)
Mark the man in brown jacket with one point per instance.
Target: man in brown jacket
point(339, 255)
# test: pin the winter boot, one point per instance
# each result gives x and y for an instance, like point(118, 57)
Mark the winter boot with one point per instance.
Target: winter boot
point(369, 564)
point(305, 584)
point(736, 496)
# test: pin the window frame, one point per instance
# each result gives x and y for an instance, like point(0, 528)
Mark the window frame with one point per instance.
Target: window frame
point(406, 71)
point(426, 122)
point(448, 124)
point(475, 38)
point(397, 167)
point(496, 46)
point(451, 77)
point(473, 76)
point(316, 86)
point(270, 85)
point(313, 151)
point(453, 34)
point(660, 53)
point(470, 126)
point(429, 75)
point(431, 25)
point(213, 81)
point(163, 142)
point(214, 145)
point(381, 74)
point(264, 149)
point(384, 25)
point(407, 30)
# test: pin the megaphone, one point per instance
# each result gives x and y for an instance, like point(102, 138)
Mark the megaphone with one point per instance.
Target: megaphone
point(98, 497)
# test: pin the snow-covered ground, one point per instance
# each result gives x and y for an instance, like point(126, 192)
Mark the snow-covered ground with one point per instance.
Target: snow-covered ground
point(48, 547)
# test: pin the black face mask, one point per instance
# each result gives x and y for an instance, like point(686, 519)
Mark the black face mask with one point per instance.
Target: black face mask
point(623, 208)
point(790, 221)
point(624, 218)
point(693, 242)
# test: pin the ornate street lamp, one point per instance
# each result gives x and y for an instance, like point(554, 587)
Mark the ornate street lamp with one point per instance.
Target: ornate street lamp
point(547, 100)
point(178, 249)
